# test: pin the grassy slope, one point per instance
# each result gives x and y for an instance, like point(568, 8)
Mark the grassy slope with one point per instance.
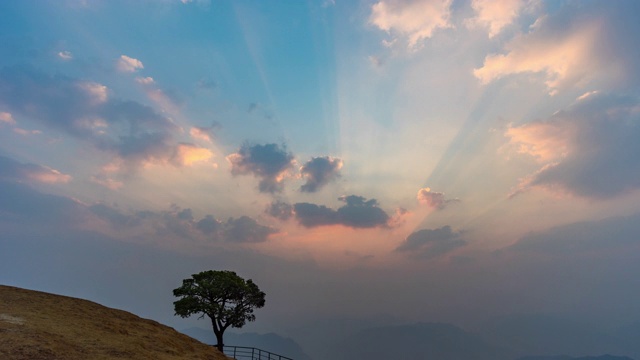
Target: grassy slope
point(37, 325)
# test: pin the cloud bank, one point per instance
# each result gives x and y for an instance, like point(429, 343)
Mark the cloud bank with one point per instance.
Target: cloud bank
point(589, 149)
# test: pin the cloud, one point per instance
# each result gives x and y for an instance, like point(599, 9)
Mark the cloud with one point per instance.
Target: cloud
point(30, 210)
point(126, 129)
point(496, 15)
point(430, 243)
point(588, 150)
point(97, 92)
point(114, 216)
point(145, 80)
point(575, 46)
point(358, 212)
point(65, 55)
point(582, 238)
point(205, 133)
point(245, 229)
point(128, 64)
point(208, 225)
point(269, 162)
point(415, 19)
point(11, 170)
point(433, 199)
point(188, 154)
point(280, 210)
point(6, 118)
point(181, 223)
point(319, 171)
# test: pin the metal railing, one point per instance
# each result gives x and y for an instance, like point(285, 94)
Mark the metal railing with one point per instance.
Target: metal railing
point(245, 352)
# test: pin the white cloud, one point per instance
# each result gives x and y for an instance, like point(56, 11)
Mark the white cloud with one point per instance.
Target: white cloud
point(65, 55)
point(128, 64)
point(145, 80)
point(417, 20)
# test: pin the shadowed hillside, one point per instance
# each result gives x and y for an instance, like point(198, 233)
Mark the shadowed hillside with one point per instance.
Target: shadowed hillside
point(38, 325)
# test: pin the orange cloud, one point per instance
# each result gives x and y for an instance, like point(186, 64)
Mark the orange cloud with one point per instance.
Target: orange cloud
point(187, 154)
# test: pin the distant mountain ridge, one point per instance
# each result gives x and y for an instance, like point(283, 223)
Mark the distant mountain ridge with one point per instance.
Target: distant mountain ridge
point(418, 341)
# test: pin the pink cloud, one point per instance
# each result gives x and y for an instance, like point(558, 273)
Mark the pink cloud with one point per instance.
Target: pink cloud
point(546, 141)
point(6, 118)
point(48, 175)
point(433, 199)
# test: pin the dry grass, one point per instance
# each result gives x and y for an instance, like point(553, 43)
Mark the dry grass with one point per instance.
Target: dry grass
point(36, 325)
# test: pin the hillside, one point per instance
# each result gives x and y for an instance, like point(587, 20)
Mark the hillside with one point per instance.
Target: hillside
point(38, 325)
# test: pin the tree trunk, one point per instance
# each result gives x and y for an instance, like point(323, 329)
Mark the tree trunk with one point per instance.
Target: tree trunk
point(218, 332)
point(220, 344)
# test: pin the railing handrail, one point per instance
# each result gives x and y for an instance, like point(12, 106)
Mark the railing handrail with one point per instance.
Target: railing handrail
point(246, 352)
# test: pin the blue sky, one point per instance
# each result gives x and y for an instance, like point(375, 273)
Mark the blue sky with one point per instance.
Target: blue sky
point(466, 158)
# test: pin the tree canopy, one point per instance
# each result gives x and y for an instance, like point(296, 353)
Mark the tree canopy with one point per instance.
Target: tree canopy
point(226, 298)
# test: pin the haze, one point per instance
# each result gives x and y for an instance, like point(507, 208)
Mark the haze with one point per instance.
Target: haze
point(388, 161)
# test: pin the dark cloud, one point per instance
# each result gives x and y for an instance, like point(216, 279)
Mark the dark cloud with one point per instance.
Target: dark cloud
point(319, 171)
point(430, 243)
point(246, 229)
point(357, 213)
point(312, 215)
point(269, 162)
point(280, 210)
point(87, 111)
point(208, 225)
point(181, 222)
point(599, 136)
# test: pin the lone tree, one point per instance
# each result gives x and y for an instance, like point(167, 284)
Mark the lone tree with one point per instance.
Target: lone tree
point(223, 296)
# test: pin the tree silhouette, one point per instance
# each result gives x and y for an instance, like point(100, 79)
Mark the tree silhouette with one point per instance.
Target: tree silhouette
point(226, 298)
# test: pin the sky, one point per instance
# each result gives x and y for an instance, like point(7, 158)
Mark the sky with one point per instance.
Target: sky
point(408, 160)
